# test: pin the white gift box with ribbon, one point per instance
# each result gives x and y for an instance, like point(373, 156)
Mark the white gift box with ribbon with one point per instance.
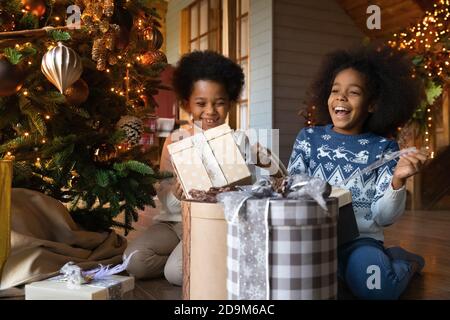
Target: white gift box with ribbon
point(73, 283)
point(110, 288)
point(209, 159)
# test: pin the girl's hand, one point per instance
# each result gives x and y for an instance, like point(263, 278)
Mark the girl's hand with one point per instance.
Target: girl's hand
point(408, 165)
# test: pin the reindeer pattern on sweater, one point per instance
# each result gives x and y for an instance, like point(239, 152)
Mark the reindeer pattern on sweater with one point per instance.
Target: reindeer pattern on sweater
point(334, 157)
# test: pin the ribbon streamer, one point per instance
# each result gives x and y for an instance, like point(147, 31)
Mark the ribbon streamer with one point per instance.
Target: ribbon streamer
point(210, 163)
point(384, 159)
point(75, 277)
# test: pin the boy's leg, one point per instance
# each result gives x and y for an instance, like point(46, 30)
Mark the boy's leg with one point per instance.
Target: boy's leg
point(153, 249)
point(371, 274)
point(173, 271)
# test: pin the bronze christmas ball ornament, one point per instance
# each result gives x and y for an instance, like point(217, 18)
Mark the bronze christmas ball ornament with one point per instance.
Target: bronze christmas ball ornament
point(104, 153)
point(77, 93)
point(155, 38)
point(36, 7)
point(11, 78)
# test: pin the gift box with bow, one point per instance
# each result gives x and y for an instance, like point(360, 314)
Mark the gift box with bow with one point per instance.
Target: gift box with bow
point(101, 283)
point(282, 240)
point(208, 159)
point(111, 288)
point(288, 244)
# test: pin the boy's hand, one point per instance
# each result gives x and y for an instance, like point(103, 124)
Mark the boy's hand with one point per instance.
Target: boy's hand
point(408, 165)
point(263, 159)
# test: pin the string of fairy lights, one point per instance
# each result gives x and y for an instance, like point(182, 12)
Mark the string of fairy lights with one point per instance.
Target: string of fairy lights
point(428, 40)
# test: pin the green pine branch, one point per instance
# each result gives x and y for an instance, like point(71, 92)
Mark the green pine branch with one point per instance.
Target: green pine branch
point(12, 55)
point(133, 165)
point(59, 35)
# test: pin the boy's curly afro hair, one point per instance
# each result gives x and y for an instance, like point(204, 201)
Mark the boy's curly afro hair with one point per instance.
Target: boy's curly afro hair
point(392, 90)
point(207, 65)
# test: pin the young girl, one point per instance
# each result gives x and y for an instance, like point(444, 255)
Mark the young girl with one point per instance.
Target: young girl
point(207, 84)
point(362, 97)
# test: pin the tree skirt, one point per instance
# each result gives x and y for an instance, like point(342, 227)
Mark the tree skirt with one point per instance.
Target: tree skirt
point(44, 237)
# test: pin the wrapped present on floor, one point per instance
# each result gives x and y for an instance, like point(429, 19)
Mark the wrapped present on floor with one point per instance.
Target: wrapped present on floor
point(208, 159)
point(5, 210)
point(111, 288)
point(278, 248)
point(101, 283)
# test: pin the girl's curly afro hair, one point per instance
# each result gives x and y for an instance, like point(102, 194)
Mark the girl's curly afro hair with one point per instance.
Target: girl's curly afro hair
point(392, 90)
point(207, 65)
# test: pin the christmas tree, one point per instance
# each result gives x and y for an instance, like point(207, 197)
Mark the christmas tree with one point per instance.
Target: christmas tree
point(77, 80)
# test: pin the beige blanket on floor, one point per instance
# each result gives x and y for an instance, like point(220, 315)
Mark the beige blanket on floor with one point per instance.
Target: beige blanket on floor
point(44, 237)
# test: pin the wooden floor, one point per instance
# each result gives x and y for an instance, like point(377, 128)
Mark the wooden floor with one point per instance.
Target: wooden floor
point(426, 233)
point(423, 232)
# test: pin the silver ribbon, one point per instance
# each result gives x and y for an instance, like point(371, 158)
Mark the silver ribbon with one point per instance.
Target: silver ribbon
point(210, 163)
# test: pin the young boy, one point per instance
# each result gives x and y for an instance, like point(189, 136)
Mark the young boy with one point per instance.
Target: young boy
point(207, 84)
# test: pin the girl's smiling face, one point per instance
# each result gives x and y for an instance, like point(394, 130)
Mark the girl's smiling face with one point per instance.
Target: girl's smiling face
point(348, 102)
point(208, 103)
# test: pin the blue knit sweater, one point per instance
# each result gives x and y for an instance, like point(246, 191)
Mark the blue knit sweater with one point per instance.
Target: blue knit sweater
point(334, 157)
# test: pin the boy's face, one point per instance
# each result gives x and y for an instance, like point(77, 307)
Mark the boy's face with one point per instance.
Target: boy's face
point(348, 102)
point(208, 103)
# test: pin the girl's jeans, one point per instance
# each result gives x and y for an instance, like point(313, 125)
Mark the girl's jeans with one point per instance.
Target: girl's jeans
point(370, 273)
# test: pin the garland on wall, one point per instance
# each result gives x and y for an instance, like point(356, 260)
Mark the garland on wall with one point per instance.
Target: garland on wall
point(428, 44)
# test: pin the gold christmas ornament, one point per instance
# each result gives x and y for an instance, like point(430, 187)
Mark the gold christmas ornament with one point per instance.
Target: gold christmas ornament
point(88, 20)
point(77, 93)
point(104, 26)
point(36, 7)
point(110, 40)
point(152, 57)
point(101, 64)
point(108, 8)
point(61, 66)
point(112, 60)
point(98, 49)
point(96, 8)
point(102, 49)
point(98, 18)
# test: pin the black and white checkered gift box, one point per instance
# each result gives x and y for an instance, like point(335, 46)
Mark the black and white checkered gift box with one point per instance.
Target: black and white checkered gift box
point(301, 252)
